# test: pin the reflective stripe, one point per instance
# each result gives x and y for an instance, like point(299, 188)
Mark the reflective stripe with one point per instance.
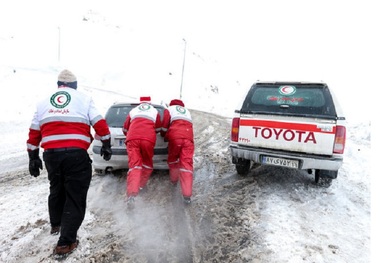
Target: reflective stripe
point(174, 118)
point(106, 137)
point(134, 168)
point(31, 146)
point(143, 116)
point(147, 167)
point(96, 119)
point(185, 170)
point(173, 162)
point(66, 137)
point(35, 127)
point(64, 119)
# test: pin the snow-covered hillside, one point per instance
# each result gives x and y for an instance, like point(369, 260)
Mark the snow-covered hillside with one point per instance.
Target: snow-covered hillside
point(122, 52)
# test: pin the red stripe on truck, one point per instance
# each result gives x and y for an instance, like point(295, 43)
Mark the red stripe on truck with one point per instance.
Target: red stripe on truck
point(286, 125)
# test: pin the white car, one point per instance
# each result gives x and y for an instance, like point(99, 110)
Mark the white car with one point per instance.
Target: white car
point(115, 118)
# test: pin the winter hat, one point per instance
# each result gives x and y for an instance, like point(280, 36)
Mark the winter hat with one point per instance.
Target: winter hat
point(67, 78)
point(144, 99)
point(177, 102)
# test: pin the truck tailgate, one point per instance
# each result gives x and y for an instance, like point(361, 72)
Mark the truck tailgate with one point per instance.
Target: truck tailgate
point(296, 134)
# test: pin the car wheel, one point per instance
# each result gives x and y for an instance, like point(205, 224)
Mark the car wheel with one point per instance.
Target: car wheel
point(99, 172)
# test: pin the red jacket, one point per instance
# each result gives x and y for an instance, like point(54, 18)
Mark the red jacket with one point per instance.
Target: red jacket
point(64, 119)
point(177, 123)
point(142, 123)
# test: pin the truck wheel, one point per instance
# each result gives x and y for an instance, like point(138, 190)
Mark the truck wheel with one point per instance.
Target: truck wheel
point(243, 166)
point(324, 177)
point(325, 182)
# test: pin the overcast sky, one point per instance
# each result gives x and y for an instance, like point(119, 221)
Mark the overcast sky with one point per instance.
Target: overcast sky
point(333, 41)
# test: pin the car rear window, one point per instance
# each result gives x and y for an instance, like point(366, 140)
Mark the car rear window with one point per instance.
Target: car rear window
point(289, 99)
point(116, 115)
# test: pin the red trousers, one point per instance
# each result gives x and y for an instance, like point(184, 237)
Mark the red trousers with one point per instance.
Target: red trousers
point(180, 161)
point(140, 162)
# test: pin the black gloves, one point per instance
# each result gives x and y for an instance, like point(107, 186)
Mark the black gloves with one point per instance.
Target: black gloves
point(35, 162)
point(106, 151)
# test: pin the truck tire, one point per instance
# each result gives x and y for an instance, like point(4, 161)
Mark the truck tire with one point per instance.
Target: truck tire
point(324, 177)
point(325, 182)
point(243, 166)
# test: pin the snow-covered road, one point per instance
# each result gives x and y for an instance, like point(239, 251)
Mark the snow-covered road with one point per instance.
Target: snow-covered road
point(271, 215)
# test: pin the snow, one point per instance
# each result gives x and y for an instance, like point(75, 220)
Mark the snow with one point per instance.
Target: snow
point(123, 53)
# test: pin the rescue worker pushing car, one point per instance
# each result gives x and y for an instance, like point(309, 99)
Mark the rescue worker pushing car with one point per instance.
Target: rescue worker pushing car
point(62, 125)
point(140, 128)
point(177, 129)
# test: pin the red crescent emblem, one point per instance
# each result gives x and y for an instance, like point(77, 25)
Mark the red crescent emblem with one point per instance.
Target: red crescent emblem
point(284, 89)
point(59, 99)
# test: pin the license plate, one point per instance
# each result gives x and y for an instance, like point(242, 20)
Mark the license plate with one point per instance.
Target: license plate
point(280, 162)
point(120, 142)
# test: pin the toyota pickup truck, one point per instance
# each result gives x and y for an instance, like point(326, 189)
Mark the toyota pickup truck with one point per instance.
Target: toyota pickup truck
point(298, 125)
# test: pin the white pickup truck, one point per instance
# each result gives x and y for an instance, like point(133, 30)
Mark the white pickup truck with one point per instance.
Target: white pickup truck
point(297, 125)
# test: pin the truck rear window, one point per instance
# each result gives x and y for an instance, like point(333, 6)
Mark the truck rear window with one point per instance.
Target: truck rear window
point(289, 99)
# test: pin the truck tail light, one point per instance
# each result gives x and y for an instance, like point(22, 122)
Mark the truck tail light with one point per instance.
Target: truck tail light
point(235, 129)
point(340, 139)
